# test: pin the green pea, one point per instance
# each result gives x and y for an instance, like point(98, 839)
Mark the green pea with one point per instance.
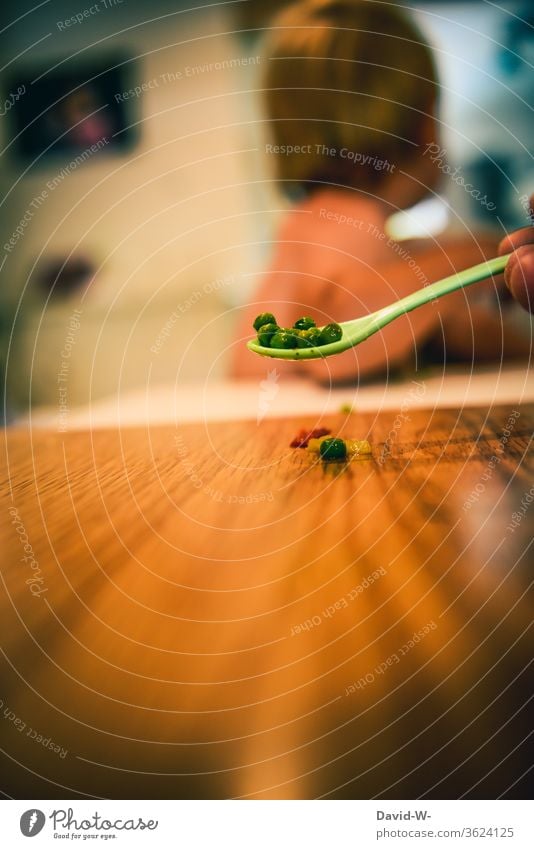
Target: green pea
point(266, 333)
point(283, 339)
point(304, 323)
point(331, 333)
point(301, 338)
point(313, 336)
point(291, 331)
point(333, 449)
point(263, 318)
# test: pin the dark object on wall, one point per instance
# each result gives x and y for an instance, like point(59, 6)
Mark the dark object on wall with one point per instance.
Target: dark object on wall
point(67, 111)
point(61, 277)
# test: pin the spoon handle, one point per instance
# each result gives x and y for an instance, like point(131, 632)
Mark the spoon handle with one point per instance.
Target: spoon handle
point(441, 287)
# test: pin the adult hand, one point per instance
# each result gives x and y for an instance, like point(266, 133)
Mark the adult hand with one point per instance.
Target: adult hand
point(519, 271)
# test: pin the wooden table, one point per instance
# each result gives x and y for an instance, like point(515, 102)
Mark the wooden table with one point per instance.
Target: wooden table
point(211, 613)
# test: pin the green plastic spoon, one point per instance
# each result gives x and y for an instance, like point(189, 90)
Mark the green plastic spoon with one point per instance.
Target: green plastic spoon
point(359, 329)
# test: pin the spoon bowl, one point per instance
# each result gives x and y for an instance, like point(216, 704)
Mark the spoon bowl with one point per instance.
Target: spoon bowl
point(359, 329)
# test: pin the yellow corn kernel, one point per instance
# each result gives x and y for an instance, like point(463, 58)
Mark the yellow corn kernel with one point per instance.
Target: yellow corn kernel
point(358, 448)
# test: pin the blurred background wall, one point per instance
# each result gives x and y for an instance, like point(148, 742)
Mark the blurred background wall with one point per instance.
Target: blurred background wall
point(128, 257)
point(158, 222)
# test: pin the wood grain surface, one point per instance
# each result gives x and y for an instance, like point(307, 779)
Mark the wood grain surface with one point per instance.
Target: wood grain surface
point(204, 612)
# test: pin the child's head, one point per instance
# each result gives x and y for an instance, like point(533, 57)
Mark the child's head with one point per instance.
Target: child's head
point(351, 90)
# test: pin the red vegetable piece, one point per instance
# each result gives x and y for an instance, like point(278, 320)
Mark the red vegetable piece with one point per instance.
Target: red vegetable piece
point(303, 436)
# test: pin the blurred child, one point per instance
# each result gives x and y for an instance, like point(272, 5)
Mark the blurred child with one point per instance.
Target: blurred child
point(352, 96)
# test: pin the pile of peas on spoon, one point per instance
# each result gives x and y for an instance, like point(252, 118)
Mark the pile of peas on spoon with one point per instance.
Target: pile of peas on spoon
point(303, 334)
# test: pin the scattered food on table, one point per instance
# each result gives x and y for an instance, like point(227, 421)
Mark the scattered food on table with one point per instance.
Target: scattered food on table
point(333, 448)
point(303, 437)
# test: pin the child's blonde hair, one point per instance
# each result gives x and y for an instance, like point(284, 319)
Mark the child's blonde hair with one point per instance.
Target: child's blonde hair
point(348, 86)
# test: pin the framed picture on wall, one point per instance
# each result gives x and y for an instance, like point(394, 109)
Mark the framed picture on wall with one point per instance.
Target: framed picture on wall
point(63, 109)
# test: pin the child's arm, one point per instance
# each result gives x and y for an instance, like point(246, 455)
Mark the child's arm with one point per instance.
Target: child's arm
point(470, 326)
